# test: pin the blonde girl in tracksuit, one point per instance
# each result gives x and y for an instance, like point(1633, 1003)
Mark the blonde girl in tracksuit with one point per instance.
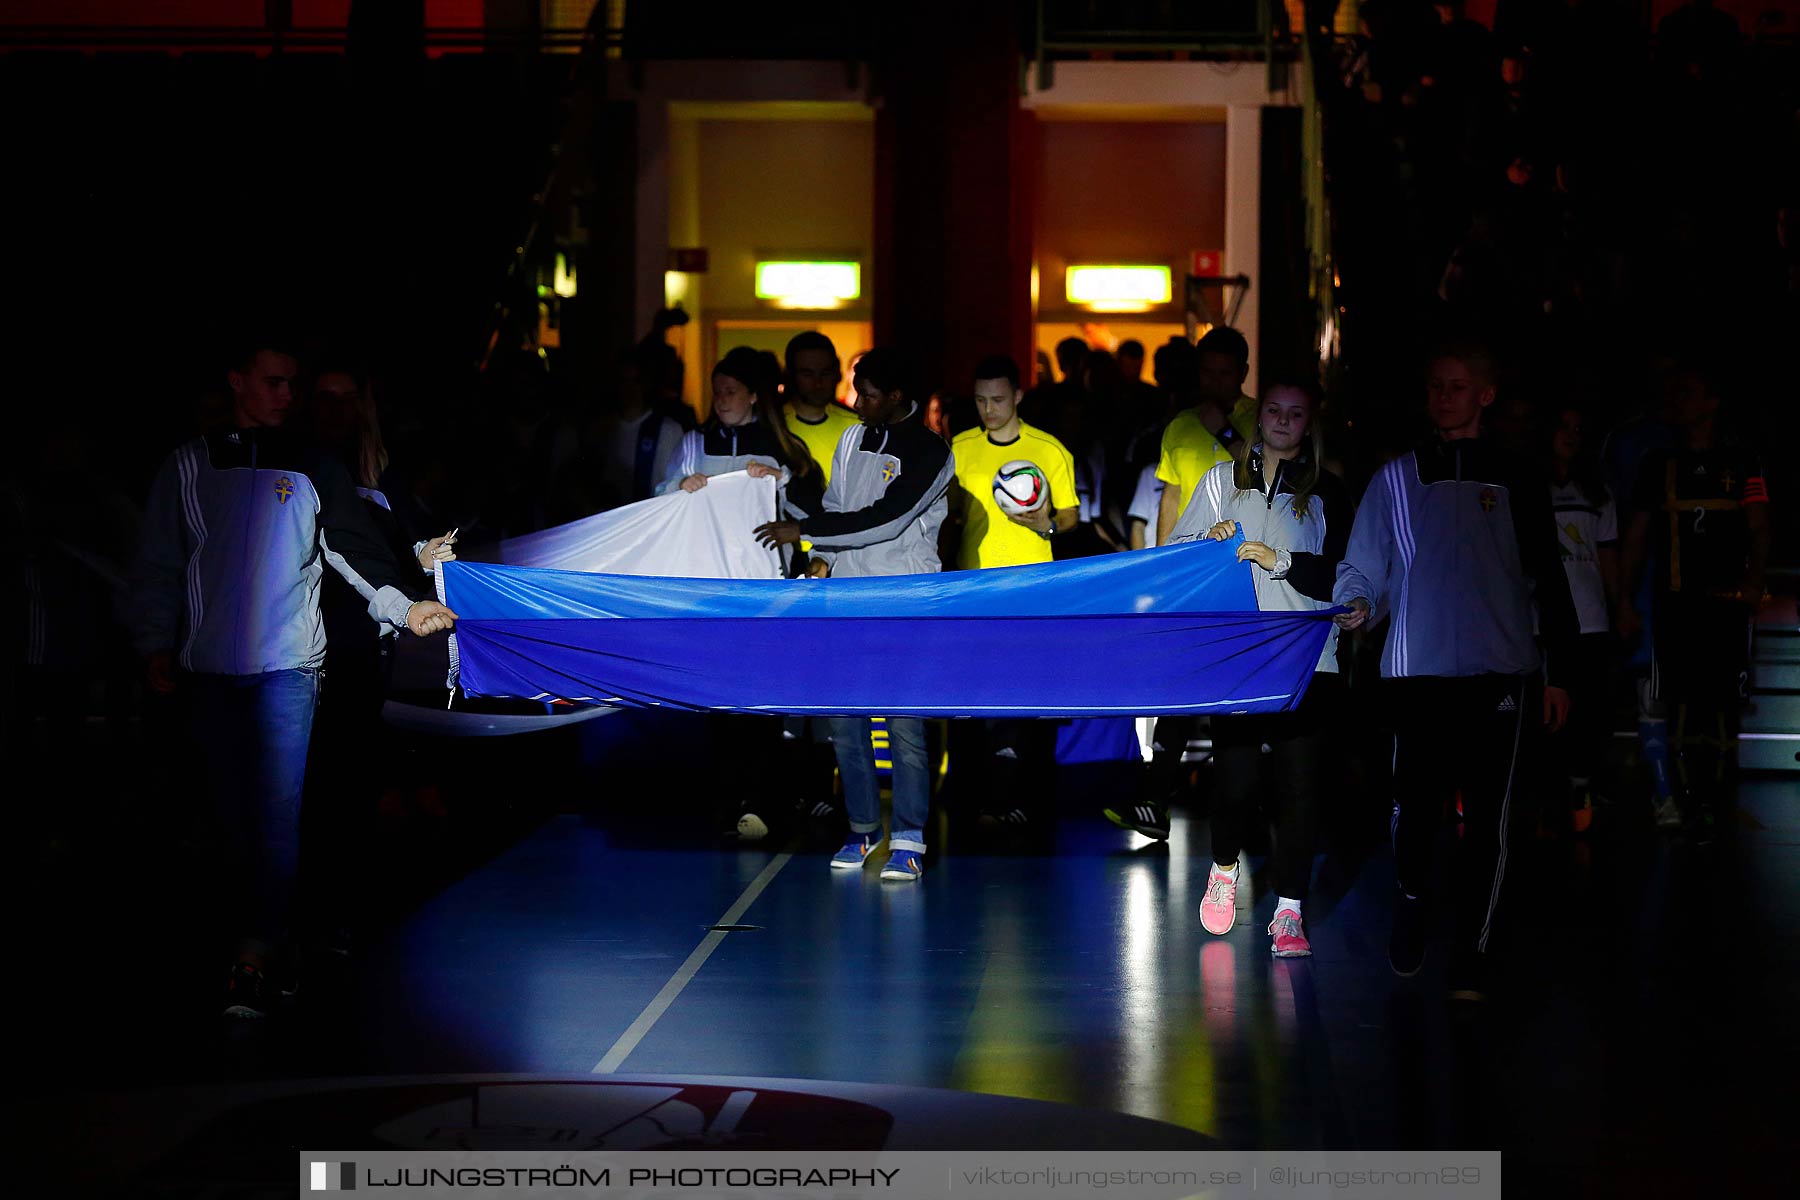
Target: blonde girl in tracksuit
point(1295, 517)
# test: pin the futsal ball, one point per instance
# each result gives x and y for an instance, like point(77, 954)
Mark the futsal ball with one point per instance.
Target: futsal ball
point(1020, 487)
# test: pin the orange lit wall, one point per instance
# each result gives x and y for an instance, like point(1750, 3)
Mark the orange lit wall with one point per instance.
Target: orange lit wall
point(1126, 192)
point(744, 188)
point(782, 188)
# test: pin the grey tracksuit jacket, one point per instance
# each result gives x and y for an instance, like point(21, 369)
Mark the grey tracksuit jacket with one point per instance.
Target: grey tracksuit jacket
point(240, 527)
point(715, 449)
point(1308, 547)
point(886, 501)
point(1457, 544)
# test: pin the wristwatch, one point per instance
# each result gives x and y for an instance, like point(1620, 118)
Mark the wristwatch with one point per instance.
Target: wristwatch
point(1049, 533)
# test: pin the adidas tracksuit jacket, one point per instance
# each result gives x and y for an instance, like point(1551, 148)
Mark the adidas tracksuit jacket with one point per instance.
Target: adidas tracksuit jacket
point(886, 501)
point(240, 527)
point(1455, 546)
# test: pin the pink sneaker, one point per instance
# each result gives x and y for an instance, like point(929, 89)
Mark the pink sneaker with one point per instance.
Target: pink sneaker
point(1219, 909)
point(1289, 934)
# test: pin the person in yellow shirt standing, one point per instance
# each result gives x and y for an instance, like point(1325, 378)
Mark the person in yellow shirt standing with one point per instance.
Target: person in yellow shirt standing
point(989, 537)
point(1219, 426)
point(998, 756)
point(812, 412)
point(811, 374)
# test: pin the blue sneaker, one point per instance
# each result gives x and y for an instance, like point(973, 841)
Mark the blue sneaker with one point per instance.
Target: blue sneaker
point(856, 851)
point(903, 864)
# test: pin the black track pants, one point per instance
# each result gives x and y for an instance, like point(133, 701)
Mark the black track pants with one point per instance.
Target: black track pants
point(1297, 743)
point(1458, 735)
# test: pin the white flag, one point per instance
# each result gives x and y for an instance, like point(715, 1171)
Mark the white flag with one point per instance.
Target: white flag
point(694, 535)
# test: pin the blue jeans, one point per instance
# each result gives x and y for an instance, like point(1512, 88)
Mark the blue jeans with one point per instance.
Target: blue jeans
point(253, 732)
point(912, 778)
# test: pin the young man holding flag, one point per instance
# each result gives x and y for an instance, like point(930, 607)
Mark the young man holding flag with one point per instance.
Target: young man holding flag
point(240, 527)
point(882, 512)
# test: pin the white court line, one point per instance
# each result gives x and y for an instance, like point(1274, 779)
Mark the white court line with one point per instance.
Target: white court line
point(653, 1011)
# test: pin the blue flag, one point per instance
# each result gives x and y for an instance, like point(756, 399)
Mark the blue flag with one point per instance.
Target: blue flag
point(1170, 630)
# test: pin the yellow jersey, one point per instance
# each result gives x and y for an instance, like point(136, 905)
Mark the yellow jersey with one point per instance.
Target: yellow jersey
point(821, 436)
point(989, 538)
point(1189, 451)
point(1245, 417)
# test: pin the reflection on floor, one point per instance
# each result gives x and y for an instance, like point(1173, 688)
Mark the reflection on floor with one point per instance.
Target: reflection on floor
point(1638, 1042)
point(1085, 978)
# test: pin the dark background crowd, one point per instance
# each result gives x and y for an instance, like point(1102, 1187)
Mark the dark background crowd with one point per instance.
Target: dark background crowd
point(1593, 199)
point(1588, 196)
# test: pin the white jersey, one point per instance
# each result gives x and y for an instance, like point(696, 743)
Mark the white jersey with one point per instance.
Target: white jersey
point(1582, 528)
point(1146, 502)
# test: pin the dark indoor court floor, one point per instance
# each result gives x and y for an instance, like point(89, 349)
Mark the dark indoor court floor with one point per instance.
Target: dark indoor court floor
point(1640, 1041)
